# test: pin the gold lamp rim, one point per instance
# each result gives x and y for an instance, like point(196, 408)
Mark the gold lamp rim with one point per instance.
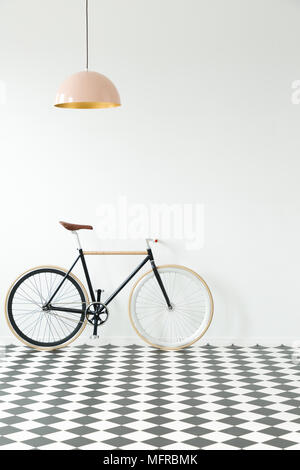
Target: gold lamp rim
point(87, 105)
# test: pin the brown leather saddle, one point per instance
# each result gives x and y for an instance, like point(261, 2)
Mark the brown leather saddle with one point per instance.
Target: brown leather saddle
point(74, 227)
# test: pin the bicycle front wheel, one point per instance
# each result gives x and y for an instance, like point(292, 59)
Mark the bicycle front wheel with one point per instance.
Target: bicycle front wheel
point(46, 329)
point(191, 314)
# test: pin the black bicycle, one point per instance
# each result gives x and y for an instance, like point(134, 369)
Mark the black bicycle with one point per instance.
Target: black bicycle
point(170, 307)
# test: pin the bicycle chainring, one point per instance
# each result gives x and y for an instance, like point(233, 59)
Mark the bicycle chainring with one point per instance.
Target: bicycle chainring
point(96, 313)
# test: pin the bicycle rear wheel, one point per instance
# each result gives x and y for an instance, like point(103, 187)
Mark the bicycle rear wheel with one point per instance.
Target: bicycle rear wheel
point(46, 329)
point(190, 316)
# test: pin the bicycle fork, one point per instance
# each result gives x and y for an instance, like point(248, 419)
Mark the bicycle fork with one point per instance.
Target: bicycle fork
point(159, 280)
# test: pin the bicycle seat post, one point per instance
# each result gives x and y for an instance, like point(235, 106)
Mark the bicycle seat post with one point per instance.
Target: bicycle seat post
point(74, 232)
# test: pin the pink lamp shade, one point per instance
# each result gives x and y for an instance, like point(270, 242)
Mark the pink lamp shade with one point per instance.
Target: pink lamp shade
point(87, 90)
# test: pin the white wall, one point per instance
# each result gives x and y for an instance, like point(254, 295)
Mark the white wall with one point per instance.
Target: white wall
point(206, 118)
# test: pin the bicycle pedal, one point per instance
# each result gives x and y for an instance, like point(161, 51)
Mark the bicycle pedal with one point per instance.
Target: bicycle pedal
point(94, 337)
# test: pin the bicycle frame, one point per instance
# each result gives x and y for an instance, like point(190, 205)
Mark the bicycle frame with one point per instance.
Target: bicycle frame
point(81, 256)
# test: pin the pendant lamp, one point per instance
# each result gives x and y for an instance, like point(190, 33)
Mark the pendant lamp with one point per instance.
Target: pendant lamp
point(87, 89)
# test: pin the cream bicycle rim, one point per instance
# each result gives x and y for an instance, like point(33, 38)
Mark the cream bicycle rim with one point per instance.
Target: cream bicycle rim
point(191, 314)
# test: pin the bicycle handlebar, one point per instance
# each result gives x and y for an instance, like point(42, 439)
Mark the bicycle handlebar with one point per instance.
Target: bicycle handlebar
point(148, 240)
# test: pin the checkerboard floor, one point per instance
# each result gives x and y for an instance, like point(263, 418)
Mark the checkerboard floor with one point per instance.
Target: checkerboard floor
point(137, 397)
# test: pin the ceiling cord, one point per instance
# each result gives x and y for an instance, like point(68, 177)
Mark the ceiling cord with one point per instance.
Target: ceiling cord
point(87, 32)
